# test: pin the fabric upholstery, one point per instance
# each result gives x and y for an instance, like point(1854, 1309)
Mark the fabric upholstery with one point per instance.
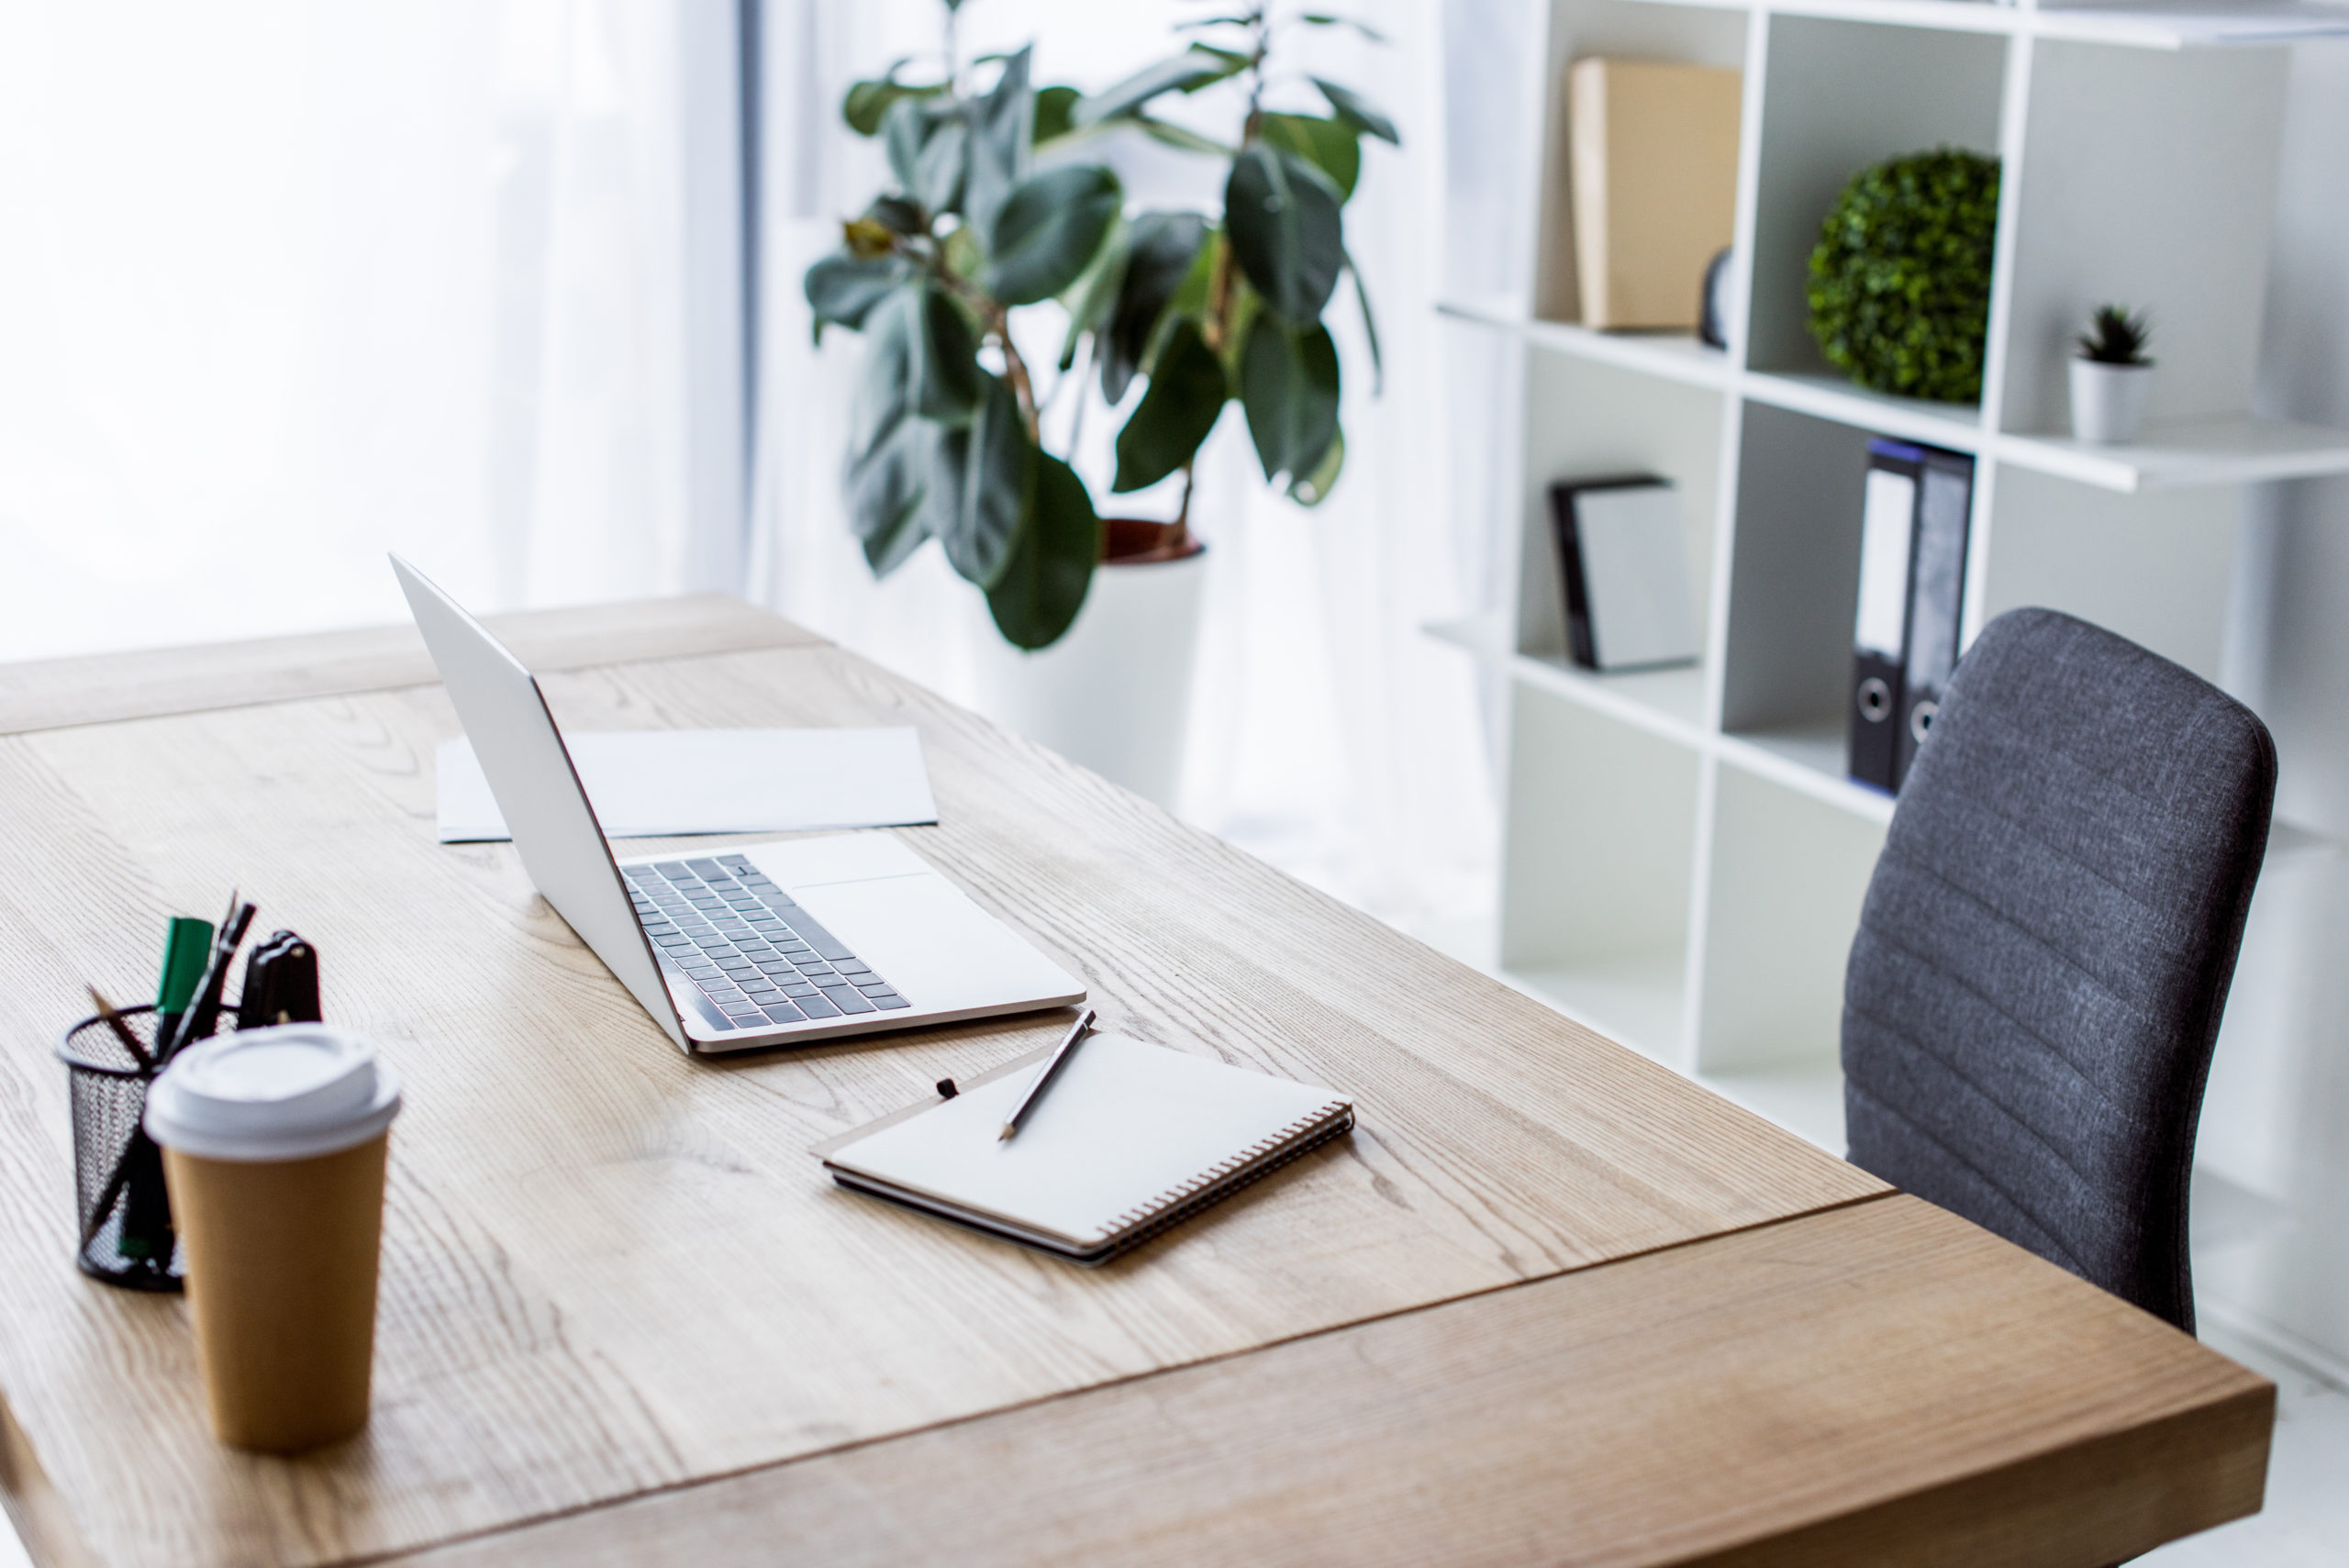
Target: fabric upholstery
point(2046, 945)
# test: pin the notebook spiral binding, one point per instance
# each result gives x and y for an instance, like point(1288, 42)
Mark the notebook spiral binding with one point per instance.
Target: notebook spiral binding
point(1225, 1177)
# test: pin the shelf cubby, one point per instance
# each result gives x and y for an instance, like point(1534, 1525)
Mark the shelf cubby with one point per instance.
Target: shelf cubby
point(1590, 418)
point(1595, 898)
point(1784, 882)
point(2092, 554)
point(1837, 97)
point(1632, 28)
point(2147, 178)
point(1794, 570)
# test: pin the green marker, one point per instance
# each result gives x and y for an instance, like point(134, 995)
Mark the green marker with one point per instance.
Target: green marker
point(145, 1229)
point(187, 948)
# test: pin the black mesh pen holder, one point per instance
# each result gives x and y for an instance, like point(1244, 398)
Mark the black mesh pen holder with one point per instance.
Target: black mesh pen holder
point(123, 1213)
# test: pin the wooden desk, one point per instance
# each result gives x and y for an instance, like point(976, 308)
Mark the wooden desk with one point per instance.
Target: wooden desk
point(1550, 1304)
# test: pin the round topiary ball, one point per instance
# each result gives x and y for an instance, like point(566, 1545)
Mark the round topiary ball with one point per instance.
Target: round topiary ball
point(1900, 281)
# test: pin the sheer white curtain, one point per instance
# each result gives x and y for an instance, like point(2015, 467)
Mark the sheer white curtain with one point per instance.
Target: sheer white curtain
point(285, 286)
point(1328, 733)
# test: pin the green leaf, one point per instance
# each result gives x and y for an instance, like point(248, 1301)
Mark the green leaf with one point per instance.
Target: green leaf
point(1160, 253)
point(1094, 295)
point(960, 251)
point(1187, 392)
point(898, 215)
point(1239, 320)
point(944, 162)
point(1002, 128)
point(942, 372)
point(1044, 583)
point(1323, 19)
point(1214, 22)
point(1048, 231)
point(1283, 216)
point(1330, 146)
point(1369, 330)
point(905, 126)
point(1359, 112)
point(867, 102)
point(1234, 60)
point(886, 491)
point(844, 289)
point(1177, 136)
point(1194, 68)
point(999, 471)
point(942, 500)
point(1055, 112)
point(885, 381)
point(1315, 488)
point(1189, 302)
point(1288, 388)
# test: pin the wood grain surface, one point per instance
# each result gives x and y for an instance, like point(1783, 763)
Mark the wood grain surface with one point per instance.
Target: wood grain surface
point(98, 688)
point(611, 1269)
point(1558, 1422)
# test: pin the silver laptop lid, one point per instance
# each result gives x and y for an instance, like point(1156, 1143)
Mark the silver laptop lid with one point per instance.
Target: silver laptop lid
point(529, 771)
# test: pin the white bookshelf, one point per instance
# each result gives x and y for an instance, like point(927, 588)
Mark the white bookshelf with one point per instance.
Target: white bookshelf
point(1684, 858)
point(2196, 24)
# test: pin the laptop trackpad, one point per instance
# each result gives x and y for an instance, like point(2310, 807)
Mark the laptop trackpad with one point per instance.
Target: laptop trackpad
point(924, 936)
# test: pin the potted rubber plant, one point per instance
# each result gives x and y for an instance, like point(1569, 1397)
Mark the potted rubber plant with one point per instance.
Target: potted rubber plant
point(1196, 309)
point(2111, 375)
point(945, 438)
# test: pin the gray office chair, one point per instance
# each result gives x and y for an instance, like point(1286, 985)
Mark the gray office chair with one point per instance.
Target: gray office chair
point(2046, 945)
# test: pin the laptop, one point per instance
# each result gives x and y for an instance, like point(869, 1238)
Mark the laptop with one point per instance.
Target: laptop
point(768, 944)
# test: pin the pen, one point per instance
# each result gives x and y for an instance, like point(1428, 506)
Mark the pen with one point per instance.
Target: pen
point(1044, 1074)
point(203, 1016)
point(137, 1179)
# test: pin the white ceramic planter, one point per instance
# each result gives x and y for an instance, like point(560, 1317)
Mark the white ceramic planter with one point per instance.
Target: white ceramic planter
point(2109, 401)
point(1114, 694)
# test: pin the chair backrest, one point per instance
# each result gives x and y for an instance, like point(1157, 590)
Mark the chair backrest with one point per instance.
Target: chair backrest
point(2046, 945)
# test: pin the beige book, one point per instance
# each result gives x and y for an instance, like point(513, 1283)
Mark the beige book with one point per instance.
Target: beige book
point(1653, 150)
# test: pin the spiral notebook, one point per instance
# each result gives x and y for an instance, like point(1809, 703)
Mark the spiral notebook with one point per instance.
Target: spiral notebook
point(1131, 1139)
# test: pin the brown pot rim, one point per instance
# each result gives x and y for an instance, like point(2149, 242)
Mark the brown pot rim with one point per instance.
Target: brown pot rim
point(1144, 541)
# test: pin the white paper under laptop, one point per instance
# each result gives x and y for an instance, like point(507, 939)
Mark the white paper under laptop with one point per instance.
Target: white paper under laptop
point(654, 784)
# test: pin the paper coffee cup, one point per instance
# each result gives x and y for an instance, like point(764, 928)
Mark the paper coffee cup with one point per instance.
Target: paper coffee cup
point(274, 1143)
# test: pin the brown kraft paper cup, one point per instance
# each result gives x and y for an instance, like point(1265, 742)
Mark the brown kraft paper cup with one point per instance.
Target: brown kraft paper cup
point(274, 1143)
point(281, 1282)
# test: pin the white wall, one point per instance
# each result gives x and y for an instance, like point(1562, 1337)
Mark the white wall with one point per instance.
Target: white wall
point(2278, 1119)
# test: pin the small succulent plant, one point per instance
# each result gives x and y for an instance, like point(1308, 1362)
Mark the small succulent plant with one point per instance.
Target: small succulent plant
point(2117, 336)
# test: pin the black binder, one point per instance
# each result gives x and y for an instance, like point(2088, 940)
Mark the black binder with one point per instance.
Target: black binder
point(1944, 503)
point(1880, 627)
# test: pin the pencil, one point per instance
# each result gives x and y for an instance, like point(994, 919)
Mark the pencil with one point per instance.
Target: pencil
point(121, 1031)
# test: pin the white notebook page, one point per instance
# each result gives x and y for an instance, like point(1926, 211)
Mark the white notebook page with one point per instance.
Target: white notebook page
point(1124, 1123)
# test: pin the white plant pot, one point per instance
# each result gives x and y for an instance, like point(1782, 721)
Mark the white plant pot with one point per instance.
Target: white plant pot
point(1114, 693)
point(2109, 401)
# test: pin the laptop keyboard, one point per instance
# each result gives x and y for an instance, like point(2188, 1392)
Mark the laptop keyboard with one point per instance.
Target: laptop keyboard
point(760, 958)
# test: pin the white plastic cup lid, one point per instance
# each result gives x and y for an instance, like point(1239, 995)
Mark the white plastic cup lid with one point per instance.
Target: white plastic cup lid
point(289, 1093)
